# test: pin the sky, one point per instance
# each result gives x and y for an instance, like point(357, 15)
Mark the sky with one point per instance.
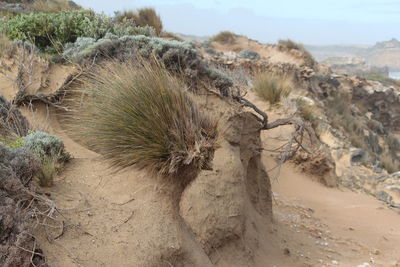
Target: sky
point(313, 22)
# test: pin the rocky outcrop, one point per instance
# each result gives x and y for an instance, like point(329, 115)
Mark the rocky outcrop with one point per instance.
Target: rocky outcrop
point(382, 101)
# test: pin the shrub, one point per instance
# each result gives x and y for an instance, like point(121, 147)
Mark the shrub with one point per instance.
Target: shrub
point(17, 169)
point(56, 29)
point(374, 76)
point(52, 6)
point(18, 162)
point(142, 17)
point(271, 87)
point(51, 153)
point(141, 116)
point(12, 123)
point(289, 44)
point(178, 57)
point(390, 163)
point(44, 145)
point(225, 37)
point(307, 111)
point(308, 58)
point(249, 54)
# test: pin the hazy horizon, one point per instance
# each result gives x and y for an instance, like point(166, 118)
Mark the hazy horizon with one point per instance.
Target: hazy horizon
point(310, 22)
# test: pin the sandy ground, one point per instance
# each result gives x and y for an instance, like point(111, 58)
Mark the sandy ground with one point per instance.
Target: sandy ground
point(313, 225)
point(269, 52)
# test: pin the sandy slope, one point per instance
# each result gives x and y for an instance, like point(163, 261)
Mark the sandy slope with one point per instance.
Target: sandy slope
point(270, 52)
point(105, 214)
point(314, 225)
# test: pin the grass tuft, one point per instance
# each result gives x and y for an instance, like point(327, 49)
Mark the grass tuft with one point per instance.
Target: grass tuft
point(225, 37)
point(142, 17)
point(307, 111)
point(271, 87)
point(7, 47)
point(139, 115)
point(308, 58)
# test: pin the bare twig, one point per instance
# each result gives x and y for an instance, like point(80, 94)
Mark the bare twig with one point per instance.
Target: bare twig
point(294, 143)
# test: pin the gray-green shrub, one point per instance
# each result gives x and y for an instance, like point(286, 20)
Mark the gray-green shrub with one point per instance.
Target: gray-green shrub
point(249, 54)
point(178, 57)
point(53, 30)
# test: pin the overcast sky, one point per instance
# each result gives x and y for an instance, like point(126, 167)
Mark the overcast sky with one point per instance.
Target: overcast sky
point(306, 21)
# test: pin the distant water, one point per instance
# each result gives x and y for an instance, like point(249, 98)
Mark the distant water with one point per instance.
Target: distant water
point(394, 75)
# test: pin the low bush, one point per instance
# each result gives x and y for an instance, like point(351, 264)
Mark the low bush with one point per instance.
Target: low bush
point(52, 6)
point(389, 162)
point(178, 57)
point(225, 37)
point(12, 123)
point(307, 111)
point(142, 17)
point(374, 76)
point(308, 58)
point(140, 115)
point(18, 208)
point(271, 87)
point(249, 54)
point(53, 30)
point(51, 153)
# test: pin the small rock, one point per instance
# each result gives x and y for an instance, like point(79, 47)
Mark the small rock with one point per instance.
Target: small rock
point(335, 262)
point(286, 252)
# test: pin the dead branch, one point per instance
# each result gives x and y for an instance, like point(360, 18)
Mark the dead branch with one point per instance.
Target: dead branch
point(294, 143)
point(53, 99)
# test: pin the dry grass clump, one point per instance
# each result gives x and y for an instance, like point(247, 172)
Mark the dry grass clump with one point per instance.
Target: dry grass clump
point(289, 45)
point(139, 115)
point(52, 6)
point(271, 87)
point(225, 37)
point(389, 163)
point(7, 47)
point(142, 17)
point(307, 111)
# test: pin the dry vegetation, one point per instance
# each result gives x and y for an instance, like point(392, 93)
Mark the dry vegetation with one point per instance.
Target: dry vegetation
point(307, 111)
point(271, 87)
point(289, 45)
point(7, 47)
point(51, 6)
point(142, 17)
point(142, 116)
point(340, 112)
point(373, 76)
point(225, 37)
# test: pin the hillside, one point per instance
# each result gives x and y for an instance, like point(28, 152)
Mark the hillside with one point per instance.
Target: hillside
point(121, 147)
point(382, 54)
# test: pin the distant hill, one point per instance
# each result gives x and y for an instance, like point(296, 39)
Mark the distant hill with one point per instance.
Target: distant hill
point(382, 54)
